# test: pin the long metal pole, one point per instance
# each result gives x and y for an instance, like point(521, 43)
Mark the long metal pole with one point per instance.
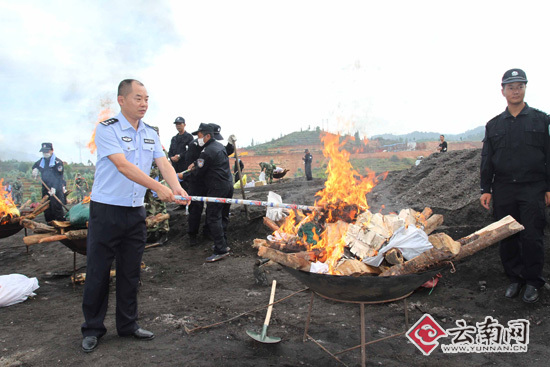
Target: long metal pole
point(208, 199)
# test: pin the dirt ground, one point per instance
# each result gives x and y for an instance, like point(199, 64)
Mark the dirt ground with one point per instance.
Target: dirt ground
point(179, 290)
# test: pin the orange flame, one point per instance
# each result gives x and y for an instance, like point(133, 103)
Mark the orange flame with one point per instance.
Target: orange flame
point(342, 200)
point(7, 206)
point(86, 200)
point(103, 115)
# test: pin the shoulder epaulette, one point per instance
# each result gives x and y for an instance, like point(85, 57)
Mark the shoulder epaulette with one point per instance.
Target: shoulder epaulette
point(149, 126)
point(109, 121)
point(541, 112)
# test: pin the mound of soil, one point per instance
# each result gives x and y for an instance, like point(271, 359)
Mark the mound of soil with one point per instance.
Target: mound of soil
point(179, 290)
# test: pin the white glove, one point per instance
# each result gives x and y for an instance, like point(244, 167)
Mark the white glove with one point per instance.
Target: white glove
point(35, 173)
point(232, 139)
point(52, 191)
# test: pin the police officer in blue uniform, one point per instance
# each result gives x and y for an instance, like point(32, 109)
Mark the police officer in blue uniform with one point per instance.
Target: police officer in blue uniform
point(515, 174)
point(51, 170)
point(212, 170)
point(126, 148)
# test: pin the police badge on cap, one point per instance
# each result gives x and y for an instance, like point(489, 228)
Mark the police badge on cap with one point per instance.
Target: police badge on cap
point(46, 147)
point(514, 76)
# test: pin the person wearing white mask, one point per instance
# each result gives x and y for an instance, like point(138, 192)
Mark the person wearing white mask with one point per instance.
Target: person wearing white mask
point(51, 170)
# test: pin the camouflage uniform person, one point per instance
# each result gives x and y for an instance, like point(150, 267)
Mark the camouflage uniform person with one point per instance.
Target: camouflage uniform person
point(17, 192)
point(153, 206)
point(268, 167)
point(81, 186)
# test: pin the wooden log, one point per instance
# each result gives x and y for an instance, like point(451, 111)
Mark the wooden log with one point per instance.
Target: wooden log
point(481, 239)
point(426, 213)
point(290, 260)
point(55, 238)
point(77, 234)
point(288, 247)
point(489, 235)
point(394, 256)
point(271, 224)
point(155, 219)
point(443, 241)
point(33, 239)
point(433, 222)
point(426, 260)
point(60, 224)
point(37, 227)
point(38, 210)
point(355, 267)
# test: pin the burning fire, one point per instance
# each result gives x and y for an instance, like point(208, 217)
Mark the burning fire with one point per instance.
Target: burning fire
point(86, 200)
point(103, 115)
point(342, 199)
point(7, 206)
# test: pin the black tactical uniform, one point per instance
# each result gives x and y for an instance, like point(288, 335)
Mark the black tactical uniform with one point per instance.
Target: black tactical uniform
point(178, 145)
point(51, 170)
point(515, 168)
point(212, 171)
point(197, 188)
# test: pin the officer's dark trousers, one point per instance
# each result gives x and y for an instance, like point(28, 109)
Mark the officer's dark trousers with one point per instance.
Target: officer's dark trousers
point(114, 233)
point(522, 254)
point(195, 207)
point(217, 217)
point(55, 210)
point(309, 177)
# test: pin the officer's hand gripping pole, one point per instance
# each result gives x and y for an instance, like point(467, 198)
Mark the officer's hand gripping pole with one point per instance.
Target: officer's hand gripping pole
point(268, 204)
point(56, 198)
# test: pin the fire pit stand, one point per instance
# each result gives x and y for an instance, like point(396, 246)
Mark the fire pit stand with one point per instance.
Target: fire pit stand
point(363, 325)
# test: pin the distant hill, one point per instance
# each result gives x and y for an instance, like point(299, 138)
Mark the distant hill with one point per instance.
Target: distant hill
point(312, 138)
point(476, 134)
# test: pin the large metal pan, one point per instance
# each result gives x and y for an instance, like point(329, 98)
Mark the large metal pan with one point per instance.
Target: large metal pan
point(9, 229)
point(76, 245)
point(362, 288)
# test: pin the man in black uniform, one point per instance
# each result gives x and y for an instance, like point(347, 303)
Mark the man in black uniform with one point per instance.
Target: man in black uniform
point(51, 170)
point(442, 148)
point(515, 173)
point(212, 170)
point(308, 158)
point(197, 188)
point(178, 145)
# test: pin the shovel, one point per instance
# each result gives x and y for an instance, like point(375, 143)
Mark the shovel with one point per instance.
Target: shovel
point(263, 338)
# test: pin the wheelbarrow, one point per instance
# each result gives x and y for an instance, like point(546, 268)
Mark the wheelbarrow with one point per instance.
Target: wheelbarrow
point(281, 174)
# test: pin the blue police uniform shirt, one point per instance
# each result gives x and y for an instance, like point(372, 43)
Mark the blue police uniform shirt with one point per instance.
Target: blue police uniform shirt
point(139, 147)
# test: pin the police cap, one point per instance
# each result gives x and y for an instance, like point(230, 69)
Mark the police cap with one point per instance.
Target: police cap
point(46, 147)
point(514, 76)
point(179, 120)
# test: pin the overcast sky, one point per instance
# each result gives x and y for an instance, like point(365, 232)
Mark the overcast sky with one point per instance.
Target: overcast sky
point(263, 68)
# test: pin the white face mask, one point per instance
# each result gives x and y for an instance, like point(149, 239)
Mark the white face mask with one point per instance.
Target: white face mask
point(200, 141)
point(47, 155)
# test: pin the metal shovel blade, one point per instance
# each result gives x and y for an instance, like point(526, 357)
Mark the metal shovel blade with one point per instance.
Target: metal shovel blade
point(263, 338)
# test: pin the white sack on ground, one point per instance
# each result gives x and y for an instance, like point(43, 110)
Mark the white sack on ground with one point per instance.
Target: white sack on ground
point(15, 288)
point(411, 241)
